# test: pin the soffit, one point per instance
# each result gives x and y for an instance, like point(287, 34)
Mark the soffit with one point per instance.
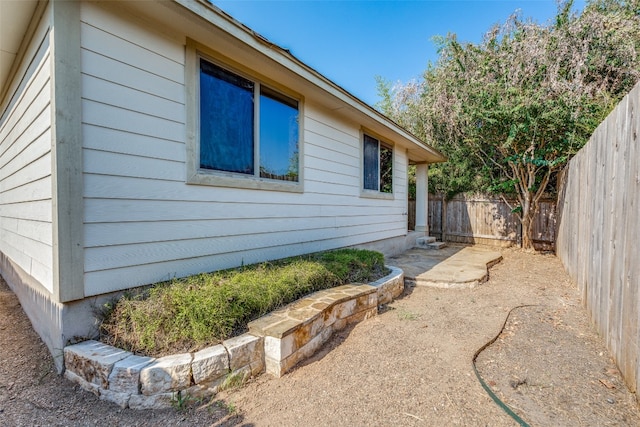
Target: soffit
point(15, 16)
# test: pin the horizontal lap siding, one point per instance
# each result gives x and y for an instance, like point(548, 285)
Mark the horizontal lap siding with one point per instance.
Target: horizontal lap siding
point(25, 170)
point(144, 224)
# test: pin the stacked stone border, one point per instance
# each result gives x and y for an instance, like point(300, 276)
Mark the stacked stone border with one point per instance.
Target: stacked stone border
point(275, 343)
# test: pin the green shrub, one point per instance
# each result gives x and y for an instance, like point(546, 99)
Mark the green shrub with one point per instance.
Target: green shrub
point(196, 311)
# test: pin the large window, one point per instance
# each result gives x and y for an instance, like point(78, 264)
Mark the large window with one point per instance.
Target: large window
point(245, 127)
point(378, 165)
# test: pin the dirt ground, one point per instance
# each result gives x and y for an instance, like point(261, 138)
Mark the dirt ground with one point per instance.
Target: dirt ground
point(410, 365)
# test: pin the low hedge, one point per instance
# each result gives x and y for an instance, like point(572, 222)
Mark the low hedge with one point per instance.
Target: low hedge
point(190, 313)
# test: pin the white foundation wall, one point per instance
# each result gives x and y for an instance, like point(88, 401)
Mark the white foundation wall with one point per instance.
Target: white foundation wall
point(143, 223)
point(25, 165)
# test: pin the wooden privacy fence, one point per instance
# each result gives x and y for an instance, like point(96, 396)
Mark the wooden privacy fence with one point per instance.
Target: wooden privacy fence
point(485, 219)
point(599, 231)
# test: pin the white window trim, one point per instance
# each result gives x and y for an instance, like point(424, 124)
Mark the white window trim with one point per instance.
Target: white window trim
point(199, 176)
point(377, 194)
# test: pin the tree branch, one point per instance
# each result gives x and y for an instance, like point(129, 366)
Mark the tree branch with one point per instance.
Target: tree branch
point(486, 156)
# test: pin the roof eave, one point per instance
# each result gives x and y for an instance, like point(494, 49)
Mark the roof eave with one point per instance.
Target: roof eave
point(422, 152)
point(15, 20)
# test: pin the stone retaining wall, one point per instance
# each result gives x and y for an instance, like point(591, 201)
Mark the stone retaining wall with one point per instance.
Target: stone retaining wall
point(144, 382)
point(294, 333)
point(278, 341)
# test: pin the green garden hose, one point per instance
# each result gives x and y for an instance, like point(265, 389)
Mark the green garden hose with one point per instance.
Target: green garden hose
point(486, 387)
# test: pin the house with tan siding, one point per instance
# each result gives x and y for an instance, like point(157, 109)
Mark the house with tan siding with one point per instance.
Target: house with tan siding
point(141, 141)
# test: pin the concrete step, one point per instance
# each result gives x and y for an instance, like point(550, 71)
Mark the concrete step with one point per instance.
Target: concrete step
point(429, 242)
point(436, 245)
point(423, 241)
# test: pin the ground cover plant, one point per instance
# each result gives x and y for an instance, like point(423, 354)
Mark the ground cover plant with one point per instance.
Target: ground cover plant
point(190, 313)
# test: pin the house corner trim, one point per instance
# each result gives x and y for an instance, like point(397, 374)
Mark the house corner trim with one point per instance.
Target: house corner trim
point(66, 150)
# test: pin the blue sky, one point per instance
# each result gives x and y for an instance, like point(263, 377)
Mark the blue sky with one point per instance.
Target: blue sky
point(351, 42)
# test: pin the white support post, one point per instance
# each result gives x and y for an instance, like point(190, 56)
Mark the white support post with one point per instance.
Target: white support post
point(422, 198)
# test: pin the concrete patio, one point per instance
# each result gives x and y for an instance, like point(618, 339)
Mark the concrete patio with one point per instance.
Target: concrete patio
point(452, 267)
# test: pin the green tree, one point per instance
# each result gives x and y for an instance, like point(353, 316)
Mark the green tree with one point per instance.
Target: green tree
point(510, 111)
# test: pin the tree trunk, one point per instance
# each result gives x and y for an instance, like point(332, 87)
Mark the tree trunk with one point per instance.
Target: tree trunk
point(528, 212)
point(527, 241)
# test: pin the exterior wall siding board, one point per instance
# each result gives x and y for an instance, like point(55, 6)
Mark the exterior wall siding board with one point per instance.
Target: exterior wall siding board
point(16, 254)
point(39, 189)
point(121, 211)
point(135, 28)
point(17, 117)
point(329, 137)
point(141, 189)
point(21, 129)
point(326, 120)
point(110, 234)
point(316, 149)
point(94, 64)
point(34, 230)
point(31, 150)
point(34, 249)
point(39, 210)
point(111, 257)
point(327, 165)
point(339, 149)
point(140, 146)
point(108, 116)
point(121, 48)
point(106, 163)
point(144, 224)
point(25, 170)
point(332, 189)
point(319, 175)
point(34, 124)
point(119, 96)
point(117, 279)
point(29, 172)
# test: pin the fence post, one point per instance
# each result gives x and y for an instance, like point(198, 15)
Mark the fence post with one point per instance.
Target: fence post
point(443, 220)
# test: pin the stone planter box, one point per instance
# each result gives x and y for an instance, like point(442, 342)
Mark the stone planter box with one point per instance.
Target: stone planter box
point(144, 382)
point(295, 332)
point(277, 342)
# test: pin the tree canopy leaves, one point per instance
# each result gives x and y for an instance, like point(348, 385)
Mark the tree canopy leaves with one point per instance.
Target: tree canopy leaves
point(510, 111)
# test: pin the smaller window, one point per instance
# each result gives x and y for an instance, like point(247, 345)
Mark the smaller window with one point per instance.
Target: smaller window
point(378, 165)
